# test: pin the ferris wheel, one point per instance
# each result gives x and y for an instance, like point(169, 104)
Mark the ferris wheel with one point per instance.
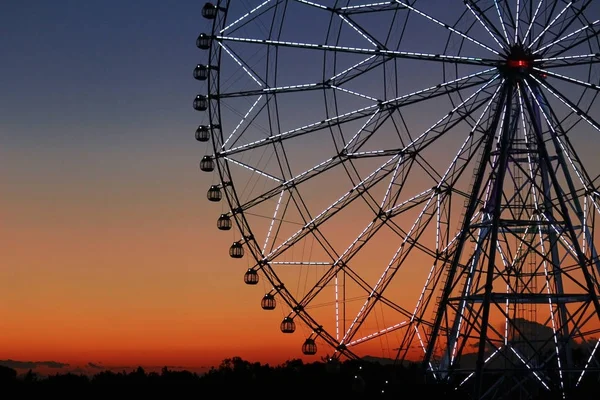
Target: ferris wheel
point(414, 180)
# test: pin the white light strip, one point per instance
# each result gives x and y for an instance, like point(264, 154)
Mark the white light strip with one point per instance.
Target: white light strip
point(389, 266)
point(420, 216)
point(568, 105)
point(484, 25)
point(244, 16)
point(282, 88)
point(421, 136)
point(250, 74)
point(300, 263)
point(589, 360)
point(354, 93)
point(584, 227)
point(548, 26)
point(386, 3)
point(378, 333)
point(451, 29)
point(390, 185)
point(337, 311)
point(241, 164)
point(409, 200)
point(532, 20)
point(273, 221)
point(589, 26)
point(473, 264)
point(241, 122)
point(561, 236)
point(550, 306)
point(425, 351)
point(444, 84)
point(333, 78)
point(567, 78)
point(438, 222)
point(529, 367)
point(501, 21)
point(282, 135)
point(310, 3)
point(484, 362)
point(564, 58)
point(557, 138)
point(517, 21)
point(412, 317)
point(361, 130)
point(308, 171)
point(359, 50)
point(361, 33)
point(311, 223)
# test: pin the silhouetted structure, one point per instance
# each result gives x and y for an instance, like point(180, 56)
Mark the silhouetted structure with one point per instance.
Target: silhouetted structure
point(237, 377)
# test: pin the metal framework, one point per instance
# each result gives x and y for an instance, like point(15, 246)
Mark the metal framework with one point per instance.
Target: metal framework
point(415, 183)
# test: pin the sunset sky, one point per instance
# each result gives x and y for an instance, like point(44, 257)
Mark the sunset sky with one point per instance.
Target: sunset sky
point(109, 249)
point(109, 253)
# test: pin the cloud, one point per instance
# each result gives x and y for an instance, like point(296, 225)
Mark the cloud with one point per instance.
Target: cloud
point(32, 364)
point(95, 366)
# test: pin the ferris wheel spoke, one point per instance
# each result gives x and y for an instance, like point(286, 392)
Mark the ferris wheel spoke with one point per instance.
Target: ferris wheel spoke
point(502, 23)
point(569, 104)
point(312, 127)
point(446, 26)
point(517, 20)
point(369, 38)
point(245, 67)
point(532, 21)
point(366, 131)
point(429, 212)
point(291, 183)
point(550, 24)
point(372, 6)
point(242, 121)
point(484, 77)
point(356, 191)
point(574, 39)
point(377, 334)
point(566, 24)
point(425, 216)
point(313, 4)
point(356, 70)
point(341, 264)
point(358, 50)
point(252, 13)
point(565, 78)
point(571, 61)
point(486, 23)
point(457, 166)
point(459, 113)
point(354, 93)
point(422, 95)
point(273, 90)
point(253, 169)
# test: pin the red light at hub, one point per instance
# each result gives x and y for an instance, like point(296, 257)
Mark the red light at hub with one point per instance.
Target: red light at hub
point(519, 64)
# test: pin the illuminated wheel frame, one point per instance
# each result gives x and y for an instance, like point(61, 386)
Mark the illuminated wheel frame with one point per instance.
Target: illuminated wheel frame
point(362, 147)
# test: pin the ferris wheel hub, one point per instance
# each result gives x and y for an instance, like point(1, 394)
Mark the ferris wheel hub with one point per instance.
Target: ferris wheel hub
point(519, 62)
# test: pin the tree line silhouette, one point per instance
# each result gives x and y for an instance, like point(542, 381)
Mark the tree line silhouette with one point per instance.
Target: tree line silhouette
point(237, 377)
